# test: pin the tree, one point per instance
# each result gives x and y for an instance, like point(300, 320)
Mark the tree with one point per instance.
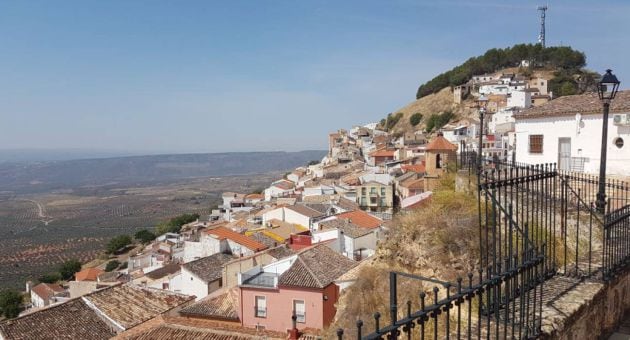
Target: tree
point(112, 265)
point(567, 89)
point(10, 303)
point(144, 236)
point(313, 162)
point(68, 268)
point(415, 118)
point(50, 277)
point(563, 58)
point(175, 224)
point(118, 242)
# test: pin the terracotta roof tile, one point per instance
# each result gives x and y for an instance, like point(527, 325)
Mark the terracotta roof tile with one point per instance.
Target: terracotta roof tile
point(362, 219)
point(88, 274)
point(177, 332)
point(208, 268)
point(440, 143)
point(382, 153)
point(223, 306)
point(223, 233)
point(129, 305)
point(587, 103)
point(305, 210)
point(168, 269)
point(417, 168)
point(47, 290)
point(316, 267)
point(70, 320)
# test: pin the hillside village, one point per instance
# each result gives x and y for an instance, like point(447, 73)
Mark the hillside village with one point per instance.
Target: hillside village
point(276, 263)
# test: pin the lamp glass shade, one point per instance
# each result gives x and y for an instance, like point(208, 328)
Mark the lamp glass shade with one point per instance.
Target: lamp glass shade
point(608, 86)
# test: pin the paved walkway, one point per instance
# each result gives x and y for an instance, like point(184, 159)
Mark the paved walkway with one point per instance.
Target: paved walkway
point(623, 332)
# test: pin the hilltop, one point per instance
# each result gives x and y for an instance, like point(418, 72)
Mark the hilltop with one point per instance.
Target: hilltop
point(435, 104)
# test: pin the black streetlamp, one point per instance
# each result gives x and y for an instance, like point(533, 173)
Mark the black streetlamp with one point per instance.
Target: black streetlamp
point(606, 89)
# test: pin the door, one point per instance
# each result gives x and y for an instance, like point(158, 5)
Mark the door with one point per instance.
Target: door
point(564, 153)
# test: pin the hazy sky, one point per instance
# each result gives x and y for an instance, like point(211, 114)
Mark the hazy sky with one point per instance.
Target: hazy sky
point(196, 76)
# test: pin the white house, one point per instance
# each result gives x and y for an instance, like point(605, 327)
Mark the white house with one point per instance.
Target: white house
point(203, 276)
point(295, 214)
point(279, 188)
point(45, 294)
point(520, 98)
point(568, 131)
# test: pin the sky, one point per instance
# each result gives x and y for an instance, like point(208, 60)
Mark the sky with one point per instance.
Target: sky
point(258, 75)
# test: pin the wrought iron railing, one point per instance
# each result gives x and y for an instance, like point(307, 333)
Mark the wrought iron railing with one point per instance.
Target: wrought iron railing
point(535, 222)
point(617, 242)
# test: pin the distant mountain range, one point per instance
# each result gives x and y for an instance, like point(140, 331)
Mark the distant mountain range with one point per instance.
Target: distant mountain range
point(43, 176)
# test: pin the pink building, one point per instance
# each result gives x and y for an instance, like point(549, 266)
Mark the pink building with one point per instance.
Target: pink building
point(302, 284)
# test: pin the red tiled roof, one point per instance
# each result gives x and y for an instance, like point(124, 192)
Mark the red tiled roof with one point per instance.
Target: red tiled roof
point(417, 168)
point(382, 153)
point(254, 196)
point(362, 219)
point(440, 143)
point(284, 185)
point(223, 233)
point(88, 274)
point(47, 290)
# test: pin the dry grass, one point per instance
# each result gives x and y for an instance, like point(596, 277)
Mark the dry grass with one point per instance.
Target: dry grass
point(437, 240)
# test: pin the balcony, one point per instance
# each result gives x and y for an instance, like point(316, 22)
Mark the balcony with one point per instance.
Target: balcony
point(262, 279)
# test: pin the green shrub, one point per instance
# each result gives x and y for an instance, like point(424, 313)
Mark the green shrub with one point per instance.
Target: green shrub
point(50, 277)
point(561, 57)
point(10, 303)
point(118, 242)
point(144, 236)
point(436, 122)
point(174, 225)
point(415, 118)
point(69, 268)
point(112, 265)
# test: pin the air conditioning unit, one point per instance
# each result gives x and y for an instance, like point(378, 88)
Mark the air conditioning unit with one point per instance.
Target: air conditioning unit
point(621, 119)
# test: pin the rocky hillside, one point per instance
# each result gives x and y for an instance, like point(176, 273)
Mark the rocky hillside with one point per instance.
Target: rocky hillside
point(435, 105)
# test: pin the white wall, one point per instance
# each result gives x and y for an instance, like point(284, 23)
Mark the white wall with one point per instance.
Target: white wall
point(277, 214)
point(192, 285)
point(519, 99)
point(291, 216)
point(585, 141)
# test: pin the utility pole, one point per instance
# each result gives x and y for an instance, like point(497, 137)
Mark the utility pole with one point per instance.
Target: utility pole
point(541, 37)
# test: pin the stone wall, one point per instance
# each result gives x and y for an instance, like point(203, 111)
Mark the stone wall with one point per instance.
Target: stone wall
point(587, 310)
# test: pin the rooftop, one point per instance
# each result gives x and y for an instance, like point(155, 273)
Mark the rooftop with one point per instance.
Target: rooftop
point(223, 233)
point(223, 306)
point(316, 267)
point(440, 143)
point(129, 305)
point(361, 218)
point(180, 332)
point(47, 290)
point(305, 210)
point(70, 320)
point(587, 103)
point(159, 273)
point(208, 268)
point(88, 274)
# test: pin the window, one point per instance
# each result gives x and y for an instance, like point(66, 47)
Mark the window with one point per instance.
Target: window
point(618, 142)
point(260, 309)
point(299, 308)
point(535, 143)
point(382, 191)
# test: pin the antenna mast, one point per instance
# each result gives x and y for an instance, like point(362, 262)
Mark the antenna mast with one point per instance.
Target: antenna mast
point(541, 37)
